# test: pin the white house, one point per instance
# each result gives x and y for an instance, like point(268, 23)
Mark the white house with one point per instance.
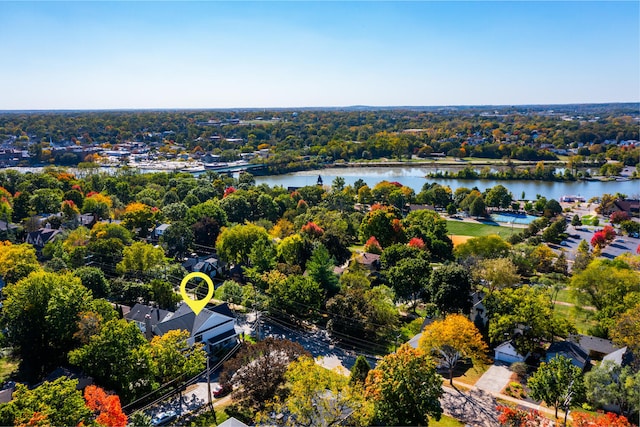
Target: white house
point(506, 352)
point(215, 327)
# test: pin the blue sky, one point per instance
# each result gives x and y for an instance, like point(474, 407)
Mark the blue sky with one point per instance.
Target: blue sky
point(104, 55)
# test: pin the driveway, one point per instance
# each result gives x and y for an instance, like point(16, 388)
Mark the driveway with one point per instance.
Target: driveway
point(494, 379)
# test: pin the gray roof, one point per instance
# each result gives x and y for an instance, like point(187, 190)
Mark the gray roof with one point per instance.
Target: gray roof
point(232, 422)
point(139, 312)
point(593, 344)
point(185, 319)
point(570, 350)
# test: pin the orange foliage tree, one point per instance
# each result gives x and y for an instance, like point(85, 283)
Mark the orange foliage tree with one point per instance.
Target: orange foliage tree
point(105, 406)
point(609, 419)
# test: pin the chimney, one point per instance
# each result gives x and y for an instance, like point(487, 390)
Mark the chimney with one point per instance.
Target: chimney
point(147, 326)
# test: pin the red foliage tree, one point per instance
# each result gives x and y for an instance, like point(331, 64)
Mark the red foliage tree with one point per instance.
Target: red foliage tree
point(513, 417)
point(416, 242)
point(228, 191)
point(599, 240)
point(609, 233)
point(106, 407)
point(373, 246)
point(609, 419)
point(312, 229)
point(618, 216)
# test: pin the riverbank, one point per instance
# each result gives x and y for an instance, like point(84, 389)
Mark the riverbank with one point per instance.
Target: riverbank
point(447, 161)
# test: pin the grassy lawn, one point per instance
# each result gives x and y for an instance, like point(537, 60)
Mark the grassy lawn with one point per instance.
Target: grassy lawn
point(8, 366)
point(588, 220)
point(445, 421)
point(564, 295)
point(581, 321)
point(471, 375)
point(473, 229)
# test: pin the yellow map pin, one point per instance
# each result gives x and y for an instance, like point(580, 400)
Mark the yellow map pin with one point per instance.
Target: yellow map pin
point(196, 305)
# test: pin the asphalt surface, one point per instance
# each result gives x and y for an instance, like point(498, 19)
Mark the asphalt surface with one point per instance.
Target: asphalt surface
point(611, 251)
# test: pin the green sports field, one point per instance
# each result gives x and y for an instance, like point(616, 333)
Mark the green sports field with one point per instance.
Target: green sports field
point(473, 229)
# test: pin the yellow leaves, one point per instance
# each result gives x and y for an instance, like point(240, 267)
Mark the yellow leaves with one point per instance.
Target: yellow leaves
point(135, 207)
point(457, 332)
point(101, 198)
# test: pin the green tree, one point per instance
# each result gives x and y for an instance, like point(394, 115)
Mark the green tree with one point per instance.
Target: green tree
point(175, 357)
point(555, 232)
point(177, 240)
point(609, 286)
point(56, 403)
point(119, 357)
point(498, 197)
point(93, 279)
point(583, 257)
point(297, 295)
point(320, 268)
point(552, 208)
point(209, 209)
point(360, 370)
point(575, 221)
point(316, 396)
point(231, 292)
point(610, 383)
point(384, 223)
point(492, 246)
point(140, 258)
point(526, 316)
point(263, 255)
point(450, 288)
point(361, 311)
point(432, 229)
point(40, 315)
point(497, 273)
point(409, 279)
point(175, 211)
point(237, 208)
point(234, 243)
point(558, 383)
point(163, 294)
point(477, 207)
point(46, 200)
point(405, 389)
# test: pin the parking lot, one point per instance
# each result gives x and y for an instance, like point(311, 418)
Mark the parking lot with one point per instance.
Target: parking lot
point(617, 247)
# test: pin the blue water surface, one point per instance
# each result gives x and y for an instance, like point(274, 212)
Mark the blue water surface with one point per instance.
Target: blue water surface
point(515, 218)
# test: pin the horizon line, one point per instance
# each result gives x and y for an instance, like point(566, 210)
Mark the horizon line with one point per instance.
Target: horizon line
point(355, 106)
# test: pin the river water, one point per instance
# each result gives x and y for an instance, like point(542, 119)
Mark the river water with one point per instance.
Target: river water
point(414, 177)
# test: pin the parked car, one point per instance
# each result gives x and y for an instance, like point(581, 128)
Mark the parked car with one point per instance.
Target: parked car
point(223, 390)
point(164, 418)
point(564, 243)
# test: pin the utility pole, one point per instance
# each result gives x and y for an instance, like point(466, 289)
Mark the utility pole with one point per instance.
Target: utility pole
point(209, 383)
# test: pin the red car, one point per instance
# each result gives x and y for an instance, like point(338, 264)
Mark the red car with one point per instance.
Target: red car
point(223, 390)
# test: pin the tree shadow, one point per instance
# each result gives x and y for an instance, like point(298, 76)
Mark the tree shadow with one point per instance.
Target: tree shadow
point(474, 407)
